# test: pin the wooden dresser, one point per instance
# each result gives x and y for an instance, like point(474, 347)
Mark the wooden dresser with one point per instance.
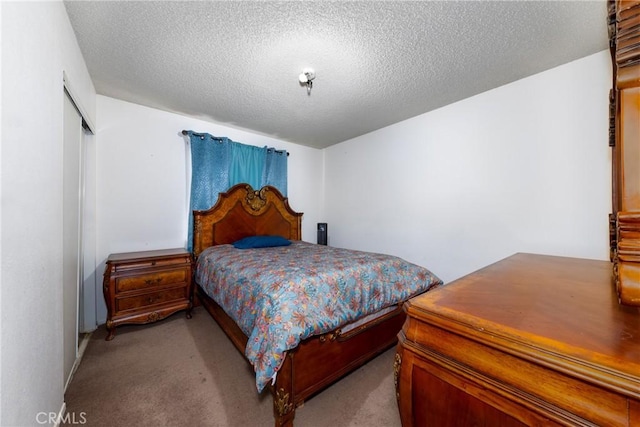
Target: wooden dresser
point(142, 287)
point(529, 340)
point(624, 138)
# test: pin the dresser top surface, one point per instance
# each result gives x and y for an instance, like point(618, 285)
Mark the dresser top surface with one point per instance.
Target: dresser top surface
point(541, 305)
point(160, 253)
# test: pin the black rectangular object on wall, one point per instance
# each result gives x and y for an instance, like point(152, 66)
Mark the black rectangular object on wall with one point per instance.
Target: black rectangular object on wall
point(322, 233)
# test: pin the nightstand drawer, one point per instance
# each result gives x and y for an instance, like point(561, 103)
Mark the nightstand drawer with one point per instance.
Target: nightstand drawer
point(152, 280)
point(150, 263)
point(153, 298)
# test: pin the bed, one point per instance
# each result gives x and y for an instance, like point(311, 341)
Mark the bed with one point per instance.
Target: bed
point(297, 357)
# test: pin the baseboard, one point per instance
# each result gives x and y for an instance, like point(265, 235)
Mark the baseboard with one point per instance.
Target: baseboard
point(81, 348)
point(84, 343)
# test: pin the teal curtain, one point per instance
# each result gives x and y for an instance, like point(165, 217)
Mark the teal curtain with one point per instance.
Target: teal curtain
point(219, 163)
point(210, 159)
point(275, 169)
point(247, 165)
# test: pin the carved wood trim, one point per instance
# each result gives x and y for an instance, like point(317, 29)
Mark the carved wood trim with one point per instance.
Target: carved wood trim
point(282, 403)
point(256, 199)
point(613, 239)
point(331, 336)
point(612, 118)
point(397, 364)
point(627, 258)
point(627, 36)
point(628, 236)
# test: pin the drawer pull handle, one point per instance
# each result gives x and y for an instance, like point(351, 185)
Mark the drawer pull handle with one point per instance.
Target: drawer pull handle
point(151, 300)
point(150, 282)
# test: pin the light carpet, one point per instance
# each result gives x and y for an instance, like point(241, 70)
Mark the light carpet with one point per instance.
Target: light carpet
point(186, 372)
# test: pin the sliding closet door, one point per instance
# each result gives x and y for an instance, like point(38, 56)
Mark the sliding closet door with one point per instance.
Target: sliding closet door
point(71, 250)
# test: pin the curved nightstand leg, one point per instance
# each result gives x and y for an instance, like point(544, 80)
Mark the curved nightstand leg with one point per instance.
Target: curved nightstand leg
point(111, 329)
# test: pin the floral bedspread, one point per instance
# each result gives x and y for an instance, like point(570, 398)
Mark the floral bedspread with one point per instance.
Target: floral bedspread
point(279, 296)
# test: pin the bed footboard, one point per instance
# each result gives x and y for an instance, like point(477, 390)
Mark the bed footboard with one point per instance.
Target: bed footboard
point(318, 361)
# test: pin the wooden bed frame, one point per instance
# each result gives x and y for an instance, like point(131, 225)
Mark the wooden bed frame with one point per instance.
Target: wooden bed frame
point(318, 361)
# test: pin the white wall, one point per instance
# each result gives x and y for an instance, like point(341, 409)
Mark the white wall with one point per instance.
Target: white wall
point(522, 168)
point(142, 182)
point(38, 44)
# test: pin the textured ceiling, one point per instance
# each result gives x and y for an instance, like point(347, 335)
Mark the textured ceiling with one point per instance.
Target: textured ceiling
point(376, 62)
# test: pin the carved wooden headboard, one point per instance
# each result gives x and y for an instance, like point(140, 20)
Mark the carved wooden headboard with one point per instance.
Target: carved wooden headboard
point(243, 211)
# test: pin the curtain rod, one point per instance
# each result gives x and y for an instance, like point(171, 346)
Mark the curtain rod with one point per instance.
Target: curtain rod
point(186, 132)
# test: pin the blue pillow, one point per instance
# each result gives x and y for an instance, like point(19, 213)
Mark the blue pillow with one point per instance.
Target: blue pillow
point(261, 242)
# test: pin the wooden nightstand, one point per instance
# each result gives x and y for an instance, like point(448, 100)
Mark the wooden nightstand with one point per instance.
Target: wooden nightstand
point(143, 287)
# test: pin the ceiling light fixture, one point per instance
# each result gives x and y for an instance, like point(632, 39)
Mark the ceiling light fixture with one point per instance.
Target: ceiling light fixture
point(306, 79)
